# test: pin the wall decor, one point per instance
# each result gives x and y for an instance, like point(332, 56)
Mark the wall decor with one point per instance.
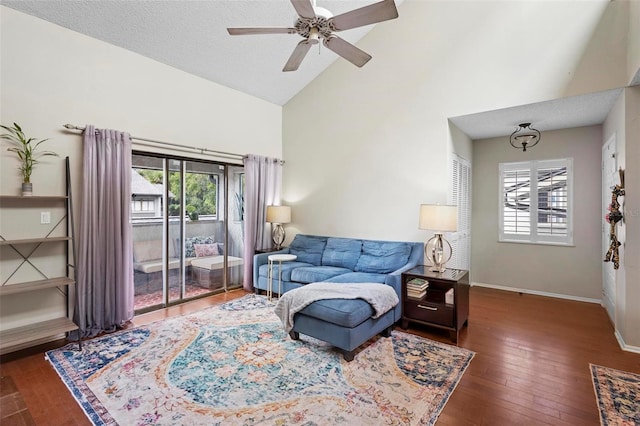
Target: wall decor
point(613, 217)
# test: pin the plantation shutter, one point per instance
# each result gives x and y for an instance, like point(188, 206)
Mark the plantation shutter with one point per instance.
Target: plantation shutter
point(515, 208)
point(537, 211)
point(461, 197)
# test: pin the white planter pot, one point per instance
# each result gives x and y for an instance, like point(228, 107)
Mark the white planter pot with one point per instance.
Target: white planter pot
point(27, 189)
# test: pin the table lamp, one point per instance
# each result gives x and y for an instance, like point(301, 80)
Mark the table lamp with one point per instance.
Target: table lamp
point(277, 215)
point(438, 218)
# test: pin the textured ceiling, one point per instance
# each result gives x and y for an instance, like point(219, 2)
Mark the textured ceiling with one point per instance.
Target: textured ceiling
point(192, 36)
point(564, 113)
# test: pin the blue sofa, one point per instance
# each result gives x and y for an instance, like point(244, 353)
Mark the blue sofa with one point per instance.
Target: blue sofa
point(343, 323)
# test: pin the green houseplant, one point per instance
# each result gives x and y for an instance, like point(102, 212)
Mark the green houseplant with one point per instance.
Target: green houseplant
point(27, 151)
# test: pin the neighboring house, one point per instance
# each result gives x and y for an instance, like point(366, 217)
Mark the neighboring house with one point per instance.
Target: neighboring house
point(364, 147)
point(146, 197)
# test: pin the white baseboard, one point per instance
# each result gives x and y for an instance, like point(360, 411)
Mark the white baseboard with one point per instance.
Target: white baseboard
point(621, 342)
point(539, 293)
point(624, 346)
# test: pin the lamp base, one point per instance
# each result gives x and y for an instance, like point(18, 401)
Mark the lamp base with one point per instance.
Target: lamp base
point(435, 252)
point(278, 235)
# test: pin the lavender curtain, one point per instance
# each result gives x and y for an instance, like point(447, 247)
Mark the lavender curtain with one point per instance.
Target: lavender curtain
point(105, 263)
point(263, 177)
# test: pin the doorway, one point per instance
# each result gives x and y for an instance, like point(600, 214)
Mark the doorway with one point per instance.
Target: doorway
point(187, 233)
point(609, 174)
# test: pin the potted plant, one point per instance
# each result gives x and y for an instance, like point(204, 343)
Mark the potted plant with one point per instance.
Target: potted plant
point(27, 151)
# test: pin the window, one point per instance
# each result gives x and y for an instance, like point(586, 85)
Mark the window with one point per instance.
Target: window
point(535, 201)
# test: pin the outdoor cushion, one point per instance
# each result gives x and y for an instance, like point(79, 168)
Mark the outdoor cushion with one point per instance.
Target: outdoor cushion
point(343, 312)
point(359, 277)
point(311, 274)
point(382, 257)
point(308, 248)
point(189, 249)
point(342, 252)
point(287, 267)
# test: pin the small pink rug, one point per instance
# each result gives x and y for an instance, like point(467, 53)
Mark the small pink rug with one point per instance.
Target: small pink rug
point(617, 394)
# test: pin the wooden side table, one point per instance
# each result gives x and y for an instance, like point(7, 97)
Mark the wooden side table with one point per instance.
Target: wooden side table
point(277, 258)
point(432, 308)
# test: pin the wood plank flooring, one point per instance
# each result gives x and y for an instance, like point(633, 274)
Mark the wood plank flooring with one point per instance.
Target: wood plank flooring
point(531, 365)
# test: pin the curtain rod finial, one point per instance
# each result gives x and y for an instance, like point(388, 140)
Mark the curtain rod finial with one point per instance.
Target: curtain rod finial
point(69, 126)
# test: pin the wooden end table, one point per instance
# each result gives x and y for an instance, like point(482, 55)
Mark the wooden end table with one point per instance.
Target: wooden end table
point(432, 308)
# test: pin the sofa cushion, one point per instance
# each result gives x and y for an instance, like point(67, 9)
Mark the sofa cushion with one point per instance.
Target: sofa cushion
point(189, 250)
point(311, 274)
point(204, 250)
point(342, 252)
point(359, 277)
point(347, 313)
point(287, 267)
point(382, 257)
point(308, 248)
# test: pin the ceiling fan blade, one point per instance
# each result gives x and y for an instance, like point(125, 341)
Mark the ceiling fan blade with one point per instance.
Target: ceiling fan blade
point(262, 30)
point(297, 56)
point(304, 8)
point(374, 13)
point(347, 50)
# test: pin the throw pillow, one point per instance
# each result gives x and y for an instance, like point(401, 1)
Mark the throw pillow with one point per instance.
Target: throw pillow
point(189, 242)
point(203, 250)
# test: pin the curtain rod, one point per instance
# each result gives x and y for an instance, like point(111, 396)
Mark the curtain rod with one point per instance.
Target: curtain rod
point(204, 151)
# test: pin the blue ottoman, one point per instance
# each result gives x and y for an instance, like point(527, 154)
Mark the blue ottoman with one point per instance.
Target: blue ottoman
point(343, 323)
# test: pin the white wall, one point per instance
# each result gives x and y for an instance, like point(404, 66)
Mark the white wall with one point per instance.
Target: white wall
point(51, 76)
point(563, 270)
point(364, 147)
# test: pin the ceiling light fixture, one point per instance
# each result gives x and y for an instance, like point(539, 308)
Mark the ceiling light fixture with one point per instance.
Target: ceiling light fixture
point(524, 137)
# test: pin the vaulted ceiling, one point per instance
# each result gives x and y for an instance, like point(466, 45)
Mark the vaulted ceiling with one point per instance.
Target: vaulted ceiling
point(192, 36)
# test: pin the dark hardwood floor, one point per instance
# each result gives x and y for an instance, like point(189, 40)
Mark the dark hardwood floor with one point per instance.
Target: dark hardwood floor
point(531, 365)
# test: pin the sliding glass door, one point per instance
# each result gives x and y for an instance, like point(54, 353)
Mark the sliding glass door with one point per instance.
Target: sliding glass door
point(187, 231)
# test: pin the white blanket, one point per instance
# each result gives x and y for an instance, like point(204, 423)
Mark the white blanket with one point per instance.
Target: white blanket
point(381, 297)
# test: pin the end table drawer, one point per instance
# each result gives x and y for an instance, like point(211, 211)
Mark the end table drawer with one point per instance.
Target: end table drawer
point(429, 312)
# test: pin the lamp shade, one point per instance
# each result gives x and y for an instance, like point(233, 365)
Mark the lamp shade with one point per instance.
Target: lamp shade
point(278, 214)
point(436, 217)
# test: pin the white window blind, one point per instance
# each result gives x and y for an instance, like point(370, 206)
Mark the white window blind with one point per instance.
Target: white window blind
point(461, 197)
point(535, 201)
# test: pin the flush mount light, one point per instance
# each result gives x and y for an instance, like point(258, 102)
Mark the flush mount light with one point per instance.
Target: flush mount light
point(524, 137)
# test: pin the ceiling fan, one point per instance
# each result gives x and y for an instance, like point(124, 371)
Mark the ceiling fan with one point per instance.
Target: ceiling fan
point(315, 23)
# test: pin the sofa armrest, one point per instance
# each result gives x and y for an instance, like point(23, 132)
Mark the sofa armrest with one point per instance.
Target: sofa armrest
point(415, 258)
point(262, 259)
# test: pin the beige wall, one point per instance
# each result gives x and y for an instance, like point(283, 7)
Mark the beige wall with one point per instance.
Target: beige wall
point(633, 50)
point(631, 261)
point(51, 76)
point(603, 64)
point(574, 271)
point(364, 147)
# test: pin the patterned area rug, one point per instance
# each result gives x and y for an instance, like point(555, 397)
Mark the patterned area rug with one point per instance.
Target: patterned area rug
point(233, 364)
point(618, 395)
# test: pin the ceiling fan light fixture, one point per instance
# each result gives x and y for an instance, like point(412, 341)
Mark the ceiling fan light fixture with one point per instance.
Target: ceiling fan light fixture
point(524, 137)
point(314, 36)
point(314, 23)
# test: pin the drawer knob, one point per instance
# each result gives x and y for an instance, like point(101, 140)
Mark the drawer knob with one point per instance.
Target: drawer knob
point(430, 308)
